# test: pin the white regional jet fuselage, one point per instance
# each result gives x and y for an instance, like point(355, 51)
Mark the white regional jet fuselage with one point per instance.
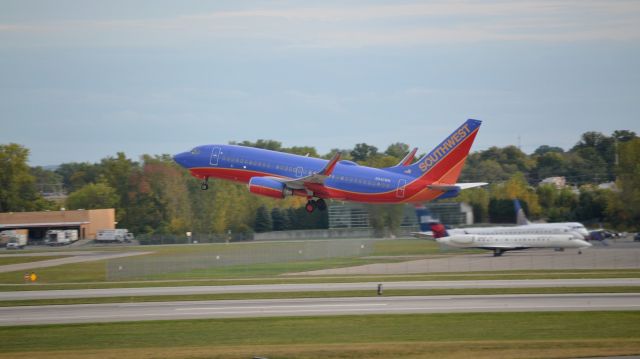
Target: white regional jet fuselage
point(500, 243)
point(529, 229)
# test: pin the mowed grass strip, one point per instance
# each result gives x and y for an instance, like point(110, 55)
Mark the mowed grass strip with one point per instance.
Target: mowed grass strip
point(488, 349)
point(318, 294)
point(493, 328)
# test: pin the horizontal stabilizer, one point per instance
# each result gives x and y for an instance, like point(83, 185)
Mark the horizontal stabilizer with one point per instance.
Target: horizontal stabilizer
point(427, 235)
point(456, 187)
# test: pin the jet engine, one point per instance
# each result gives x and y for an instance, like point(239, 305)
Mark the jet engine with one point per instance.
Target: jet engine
point(268, 187)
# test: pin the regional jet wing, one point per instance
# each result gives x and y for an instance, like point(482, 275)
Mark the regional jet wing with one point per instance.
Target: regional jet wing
point(317, 178)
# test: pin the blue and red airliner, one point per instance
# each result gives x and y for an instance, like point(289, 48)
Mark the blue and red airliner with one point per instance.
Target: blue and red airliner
point(277, 174)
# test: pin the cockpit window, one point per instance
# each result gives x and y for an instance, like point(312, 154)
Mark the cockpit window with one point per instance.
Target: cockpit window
point(195, 151)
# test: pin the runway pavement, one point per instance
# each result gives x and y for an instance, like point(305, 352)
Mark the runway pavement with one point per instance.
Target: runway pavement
point(93, 313)
point(315, 287)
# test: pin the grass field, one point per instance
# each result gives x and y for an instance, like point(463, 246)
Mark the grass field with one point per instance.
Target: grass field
point(513, 335)
point(27, 259)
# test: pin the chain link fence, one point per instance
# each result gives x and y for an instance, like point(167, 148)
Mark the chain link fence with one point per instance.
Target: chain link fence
point(208, 259)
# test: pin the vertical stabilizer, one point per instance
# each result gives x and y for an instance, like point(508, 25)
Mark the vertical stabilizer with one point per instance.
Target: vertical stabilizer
point(521, 217)
point(444, 163)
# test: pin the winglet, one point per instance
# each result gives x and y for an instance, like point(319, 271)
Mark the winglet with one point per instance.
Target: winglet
point(328, 169)
point(408, 159)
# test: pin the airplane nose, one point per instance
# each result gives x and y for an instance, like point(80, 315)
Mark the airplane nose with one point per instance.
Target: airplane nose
point(583, 243)
point(181, 158)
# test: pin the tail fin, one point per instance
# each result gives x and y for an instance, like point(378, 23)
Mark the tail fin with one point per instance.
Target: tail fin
point(521, 217)
point(430, 223)
point(444, 163)
point(425, 219)
point(439, 230)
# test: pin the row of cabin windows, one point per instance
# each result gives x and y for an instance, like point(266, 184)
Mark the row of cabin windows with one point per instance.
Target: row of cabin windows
point(520, 240)
point(290, 169)
point(548, 231)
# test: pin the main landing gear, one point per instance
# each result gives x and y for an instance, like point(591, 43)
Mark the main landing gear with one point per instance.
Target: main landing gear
point(313, 204)
point(205, 184)
point(497, 252)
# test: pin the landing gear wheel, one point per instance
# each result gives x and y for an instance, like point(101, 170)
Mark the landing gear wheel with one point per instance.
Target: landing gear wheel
point(321, 204)
point(311, 205)
point(205, 184)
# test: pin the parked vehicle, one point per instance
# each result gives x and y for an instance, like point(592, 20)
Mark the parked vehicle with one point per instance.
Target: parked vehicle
point(71, 234)
point(114, 235)
point(636, 238)
point(17, 242)
point(57, 237)
point(20, 234)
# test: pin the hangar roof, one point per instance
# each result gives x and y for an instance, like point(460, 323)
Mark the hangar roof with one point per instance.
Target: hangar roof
point(47, 224)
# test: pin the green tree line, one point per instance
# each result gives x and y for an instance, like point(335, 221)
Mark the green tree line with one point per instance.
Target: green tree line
point(154, 195)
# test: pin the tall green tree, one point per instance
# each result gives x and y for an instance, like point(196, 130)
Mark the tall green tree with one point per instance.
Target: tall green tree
point(93, 196)
point(362, 151)
point(263, 220)
point(18, 191)
point(623, 207)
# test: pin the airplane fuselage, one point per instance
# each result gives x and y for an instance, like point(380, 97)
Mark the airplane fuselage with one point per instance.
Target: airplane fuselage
point(509, 242)
point(348, 181)
point(278, 174)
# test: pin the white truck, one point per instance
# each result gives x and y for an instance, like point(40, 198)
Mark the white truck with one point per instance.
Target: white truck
point(17, 243)
point(71, 234)
point(57, 237)
point(15, 238)
point(114, 235)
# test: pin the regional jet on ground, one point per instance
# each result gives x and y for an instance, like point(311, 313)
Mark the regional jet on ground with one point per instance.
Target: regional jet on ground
point(276, 174)
point(499, 239)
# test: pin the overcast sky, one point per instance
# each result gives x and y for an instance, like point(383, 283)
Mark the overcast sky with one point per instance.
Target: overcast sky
point(82, 80)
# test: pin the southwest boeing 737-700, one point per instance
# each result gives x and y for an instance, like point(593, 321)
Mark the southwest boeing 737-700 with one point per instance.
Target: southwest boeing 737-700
point(277, 174)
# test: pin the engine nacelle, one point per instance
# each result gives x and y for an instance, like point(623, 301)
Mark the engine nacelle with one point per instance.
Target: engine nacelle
point(268, 187)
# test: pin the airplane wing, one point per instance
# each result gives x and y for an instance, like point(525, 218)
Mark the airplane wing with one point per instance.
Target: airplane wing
point(318, 178)
point(502, 246)
point(457, 186)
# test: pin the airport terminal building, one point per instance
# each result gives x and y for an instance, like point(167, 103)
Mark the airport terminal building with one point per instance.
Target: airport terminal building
point(86, 222)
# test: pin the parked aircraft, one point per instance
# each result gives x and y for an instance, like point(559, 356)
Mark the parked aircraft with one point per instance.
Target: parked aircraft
point(426, 220)
point(523, 221)
point(277, 174)
point(501, 238)
point(500, 243)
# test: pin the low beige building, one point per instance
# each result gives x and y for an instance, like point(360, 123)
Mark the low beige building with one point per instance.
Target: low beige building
point(87, 222)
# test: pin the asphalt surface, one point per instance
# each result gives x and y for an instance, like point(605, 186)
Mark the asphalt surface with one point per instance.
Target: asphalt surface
point(94, 313)
point(315, 287)
point(612, 256)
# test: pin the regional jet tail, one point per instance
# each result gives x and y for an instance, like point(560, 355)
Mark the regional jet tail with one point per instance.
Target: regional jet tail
point(498, 239)
point(277, 174)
